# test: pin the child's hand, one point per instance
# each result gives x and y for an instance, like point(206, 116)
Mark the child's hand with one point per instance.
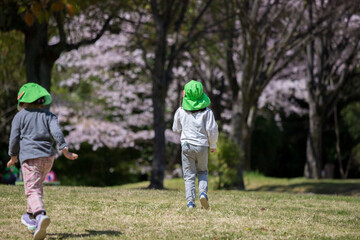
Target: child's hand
point(69, 155)
point(12, 161)
point(212, 150)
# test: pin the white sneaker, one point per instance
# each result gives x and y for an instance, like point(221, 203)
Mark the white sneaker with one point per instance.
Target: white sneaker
point(42, 222)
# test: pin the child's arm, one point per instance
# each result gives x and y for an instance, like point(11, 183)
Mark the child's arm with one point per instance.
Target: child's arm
point(212, 131)
point(69, 155)
point(14, 141)
point(59, 138)
point(12, 161)
point(56, 132)
point(177, 124)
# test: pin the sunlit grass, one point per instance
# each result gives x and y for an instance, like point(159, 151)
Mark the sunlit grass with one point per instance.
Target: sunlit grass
point(130, 212)
point(257, 182)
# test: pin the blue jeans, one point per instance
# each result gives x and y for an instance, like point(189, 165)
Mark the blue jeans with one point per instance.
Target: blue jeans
point(194, 163)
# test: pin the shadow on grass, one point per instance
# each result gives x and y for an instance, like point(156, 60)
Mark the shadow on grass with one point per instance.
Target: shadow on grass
point(348, 189)
point(147, 188)
point(89, 233)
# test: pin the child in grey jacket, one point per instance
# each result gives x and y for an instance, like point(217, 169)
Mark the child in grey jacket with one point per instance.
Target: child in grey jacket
point(32, 130)
point(199, 132)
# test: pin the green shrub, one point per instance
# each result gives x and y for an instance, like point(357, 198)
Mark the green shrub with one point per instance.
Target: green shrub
point(350, 115)
point(103, 167)
point(222, 163)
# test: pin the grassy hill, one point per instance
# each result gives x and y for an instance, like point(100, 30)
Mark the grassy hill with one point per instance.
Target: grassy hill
point(270, 209)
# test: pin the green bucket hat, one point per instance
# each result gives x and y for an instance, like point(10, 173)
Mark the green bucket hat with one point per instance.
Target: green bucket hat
point(195, 98)
point(31, 92)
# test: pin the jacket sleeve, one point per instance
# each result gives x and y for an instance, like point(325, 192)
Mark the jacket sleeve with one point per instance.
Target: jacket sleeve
point(177, 124)
point(212, 130)
point(56, 132)
point(14, 141)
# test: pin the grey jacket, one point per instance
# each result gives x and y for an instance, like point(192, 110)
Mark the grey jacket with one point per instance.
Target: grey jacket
point(198, 128)
point(31, 134)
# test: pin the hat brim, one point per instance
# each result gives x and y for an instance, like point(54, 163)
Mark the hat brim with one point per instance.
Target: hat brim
point(45, 94)
point(200, 103)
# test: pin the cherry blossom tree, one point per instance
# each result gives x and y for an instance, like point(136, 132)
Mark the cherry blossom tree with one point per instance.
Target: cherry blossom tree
point(115, 108)
point(115, 90)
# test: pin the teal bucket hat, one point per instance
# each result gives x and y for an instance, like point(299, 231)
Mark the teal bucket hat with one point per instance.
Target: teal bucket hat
point(30, 92)
point(195, 98)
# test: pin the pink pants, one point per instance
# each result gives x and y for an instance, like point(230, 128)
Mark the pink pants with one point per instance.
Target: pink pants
point(34, 173)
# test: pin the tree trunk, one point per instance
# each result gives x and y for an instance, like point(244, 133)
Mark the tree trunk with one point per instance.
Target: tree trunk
point(313, 165)
point(159, 90)
point(37, 58)
point(242, 126)
point(230, 76)
point(344, 174)
point(235, 129)
point(235, 134)
point(246, 146)
point(159, 160)
point(242, 123)
point(247, 126)
point(338, 150)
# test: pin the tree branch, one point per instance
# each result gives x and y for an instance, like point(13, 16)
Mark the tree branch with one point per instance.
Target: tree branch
point(84, 42)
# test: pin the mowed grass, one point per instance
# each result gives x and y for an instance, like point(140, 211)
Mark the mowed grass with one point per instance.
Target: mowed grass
point(265, 211)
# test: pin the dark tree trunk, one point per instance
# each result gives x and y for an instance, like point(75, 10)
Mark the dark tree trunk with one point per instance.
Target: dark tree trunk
point(159, 90)
point(343, 173)
point(236, 135)
point(159, 160)
point(166, 14)
point(246, 146)
point(314, 144)
point(242, 125)
point(236, 126)
point(235, 131)
point(37, 58)
point(312, 167)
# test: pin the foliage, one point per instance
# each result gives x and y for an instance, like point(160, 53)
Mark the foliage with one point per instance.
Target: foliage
point(41, 10)
point(351, 116)
point(12, 76)
point(105, 167)
point(278, 144)
point(266, 144)
point(223, 162)
point(355, 154)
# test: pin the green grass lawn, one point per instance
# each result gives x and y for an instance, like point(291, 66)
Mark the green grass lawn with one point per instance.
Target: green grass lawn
point(270, 209)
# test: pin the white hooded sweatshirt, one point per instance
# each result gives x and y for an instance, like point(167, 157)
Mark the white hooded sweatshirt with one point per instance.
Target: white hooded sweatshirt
point(197, 128)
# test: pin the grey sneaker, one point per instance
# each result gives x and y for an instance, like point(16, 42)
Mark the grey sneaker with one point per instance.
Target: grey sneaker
point(204, 200)
point(42, 222)
point(29, 222)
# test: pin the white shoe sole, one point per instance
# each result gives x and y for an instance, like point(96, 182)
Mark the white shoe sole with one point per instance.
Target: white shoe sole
point(40, 234)
point(204, 202)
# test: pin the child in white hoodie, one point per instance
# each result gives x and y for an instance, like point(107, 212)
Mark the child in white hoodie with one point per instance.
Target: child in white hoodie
point(199, 131)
